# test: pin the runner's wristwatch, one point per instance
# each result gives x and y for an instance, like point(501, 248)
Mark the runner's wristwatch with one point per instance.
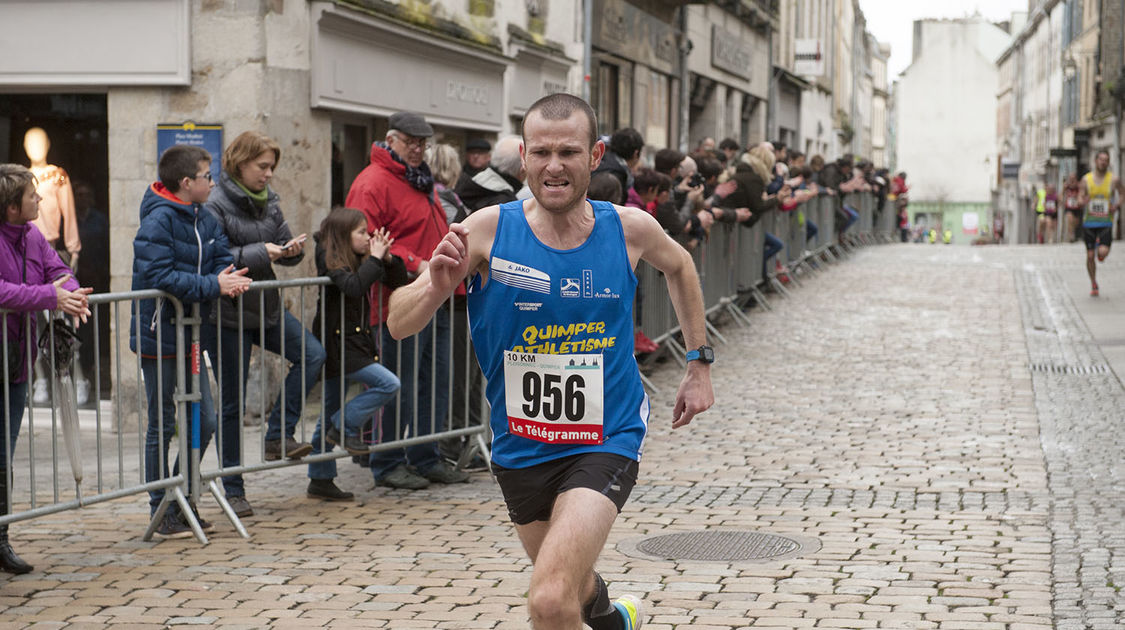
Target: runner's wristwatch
point(703, 354)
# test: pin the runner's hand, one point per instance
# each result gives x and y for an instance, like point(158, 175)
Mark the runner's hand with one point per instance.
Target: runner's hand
point(449, 263)
point(74, 302)
point(694, 396)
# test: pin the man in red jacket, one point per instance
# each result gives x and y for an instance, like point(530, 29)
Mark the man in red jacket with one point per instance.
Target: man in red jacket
point(396, 192)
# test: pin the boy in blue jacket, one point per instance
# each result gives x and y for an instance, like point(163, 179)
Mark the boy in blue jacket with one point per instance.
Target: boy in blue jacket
point(180, 249)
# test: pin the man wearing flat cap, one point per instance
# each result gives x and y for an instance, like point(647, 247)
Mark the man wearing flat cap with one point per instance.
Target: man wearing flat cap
point(396, 191)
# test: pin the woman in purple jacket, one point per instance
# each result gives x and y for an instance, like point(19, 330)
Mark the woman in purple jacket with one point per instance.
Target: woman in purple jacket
point(32, 278)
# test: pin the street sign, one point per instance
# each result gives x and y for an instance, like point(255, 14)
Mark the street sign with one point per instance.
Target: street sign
point(208, 136)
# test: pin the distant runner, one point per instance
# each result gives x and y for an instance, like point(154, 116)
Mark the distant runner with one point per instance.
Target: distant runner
point(1096, 195)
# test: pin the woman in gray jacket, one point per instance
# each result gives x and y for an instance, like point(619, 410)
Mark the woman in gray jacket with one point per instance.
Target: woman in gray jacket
point(259, 236)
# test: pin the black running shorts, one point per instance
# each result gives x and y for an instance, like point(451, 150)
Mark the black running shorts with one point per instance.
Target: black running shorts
point(1097, 237)
point(531, 492)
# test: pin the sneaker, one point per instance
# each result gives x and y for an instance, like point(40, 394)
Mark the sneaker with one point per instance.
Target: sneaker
point(353, 444)
point(444, 472)
point(630, 609)
point(172, 526)
point(1094, 290)
point(293, 449)
point(39, 392)
point(240, 505)
point(326, 489)
point(402, 478)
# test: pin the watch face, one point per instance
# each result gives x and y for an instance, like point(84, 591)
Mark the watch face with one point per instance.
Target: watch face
point(707, 355)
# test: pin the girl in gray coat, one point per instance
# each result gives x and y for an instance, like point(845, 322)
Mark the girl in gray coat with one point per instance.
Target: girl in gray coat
point(259, 236)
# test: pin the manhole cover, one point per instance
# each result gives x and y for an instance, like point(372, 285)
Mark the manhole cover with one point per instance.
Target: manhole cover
point(721, 546)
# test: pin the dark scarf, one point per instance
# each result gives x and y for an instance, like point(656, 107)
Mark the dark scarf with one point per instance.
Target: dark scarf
point(419, 178)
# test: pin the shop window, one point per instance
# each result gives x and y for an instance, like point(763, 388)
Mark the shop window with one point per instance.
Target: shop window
point(605, 97)
point(67, 149)
point(657, 120)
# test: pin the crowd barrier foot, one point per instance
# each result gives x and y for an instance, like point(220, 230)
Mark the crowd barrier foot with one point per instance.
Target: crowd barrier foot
point(761, 298)
point(676, 350)
point(175, 494)
point(779, 287)
point(649, 385)
point(224, 505)
point(731, 307)
point(714, 332)
point(791, 271)
point(477, 446)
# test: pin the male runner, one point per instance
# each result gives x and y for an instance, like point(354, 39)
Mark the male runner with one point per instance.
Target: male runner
point(1096, 195)
point(569, 414)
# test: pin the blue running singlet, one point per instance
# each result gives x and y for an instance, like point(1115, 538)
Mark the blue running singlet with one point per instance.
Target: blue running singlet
point(553, 333)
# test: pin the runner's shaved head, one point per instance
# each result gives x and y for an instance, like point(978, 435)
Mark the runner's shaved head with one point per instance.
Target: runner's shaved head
point(562, 106)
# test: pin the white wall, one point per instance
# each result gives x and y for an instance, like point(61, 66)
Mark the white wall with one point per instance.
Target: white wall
point(946, 109)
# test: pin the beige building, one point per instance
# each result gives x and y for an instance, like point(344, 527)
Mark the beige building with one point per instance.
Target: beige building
point(880, 53)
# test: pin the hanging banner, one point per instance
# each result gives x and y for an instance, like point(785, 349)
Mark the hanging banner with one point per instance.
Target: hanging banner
point(808, 59)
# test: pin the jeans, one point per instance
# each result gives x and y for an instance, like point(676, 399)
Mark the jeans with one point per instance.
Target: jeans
point(810, 231)
point(773, 247)
point(381, 387)
point(17, 400)
point(853, 216)
point(294, 387)
point(430, 384)
point(156, 449)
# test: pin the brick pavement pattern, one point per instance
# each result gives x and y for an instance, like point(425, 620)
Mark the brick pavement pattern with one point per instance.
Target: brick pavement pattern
point(886, 410)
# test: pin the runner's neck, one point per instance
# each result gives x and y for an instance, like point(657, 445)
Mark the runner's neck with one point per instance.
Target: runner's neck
point(560, 230)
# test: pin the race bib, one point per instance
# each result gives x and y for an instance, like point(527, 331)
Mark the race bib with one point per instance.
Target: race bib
point(554, 398)
point(1099, 208)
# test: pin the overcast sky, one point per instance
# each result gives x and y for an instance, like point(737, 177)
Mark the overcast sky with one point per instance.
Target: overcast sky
point(892, 21)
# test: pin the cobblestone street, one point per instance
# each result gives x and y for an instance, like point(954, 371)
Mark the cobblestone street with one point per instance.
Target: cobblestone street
point(941, 425)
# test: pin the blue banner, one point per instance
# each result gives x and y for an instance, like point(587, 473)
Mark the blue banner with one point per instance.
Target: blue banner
point(208, 136)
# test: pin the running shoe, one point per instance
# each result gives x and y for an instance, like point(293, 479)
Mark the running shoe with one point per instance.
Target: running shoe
point(1094, 290)
point(630, 608)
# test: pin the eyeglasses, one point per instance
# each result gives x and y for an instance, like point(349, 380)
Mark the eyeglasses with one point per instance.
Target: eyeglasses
point(413, 143)
point(207, 175)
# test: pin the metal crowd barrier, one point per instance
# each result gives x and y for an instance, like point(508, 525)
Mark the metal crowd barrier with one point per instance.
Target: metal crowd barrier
point(109, 440)
point(106, 448)
point(99, 441)
point(463, 404)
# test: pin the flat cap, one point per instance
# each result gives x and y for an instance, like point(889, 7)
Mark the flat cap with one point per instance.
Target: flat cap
point(478, 144)
point(411, 124)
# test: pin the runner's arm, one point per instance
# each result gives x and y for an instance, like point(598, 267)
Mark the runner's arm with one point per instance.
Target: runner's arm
point(1083, 194)
point(645, 237)
point(412, 306)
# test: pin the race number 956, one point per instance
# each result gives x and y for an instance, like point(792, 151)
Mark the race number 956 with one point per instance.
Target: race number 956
point(552, 397)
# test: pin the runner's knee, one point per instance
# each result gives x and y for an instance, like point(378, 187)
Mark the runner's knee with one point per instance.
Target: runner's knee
point(553, 600)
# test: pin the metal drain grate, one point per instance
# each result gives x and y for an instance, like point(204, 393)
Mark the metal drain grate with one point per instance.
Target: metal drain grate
point(721, 546)
point(1053, 368)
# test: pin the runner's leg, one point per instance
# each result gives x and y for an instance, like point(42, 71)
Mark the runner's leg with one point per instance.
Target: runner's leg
point(564, 551)
point(1091, 266)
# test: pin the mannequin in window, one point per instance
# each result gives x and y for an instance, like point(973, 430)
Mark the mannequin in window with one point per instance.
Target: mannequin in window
point(56, 219)
point(59, 226)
